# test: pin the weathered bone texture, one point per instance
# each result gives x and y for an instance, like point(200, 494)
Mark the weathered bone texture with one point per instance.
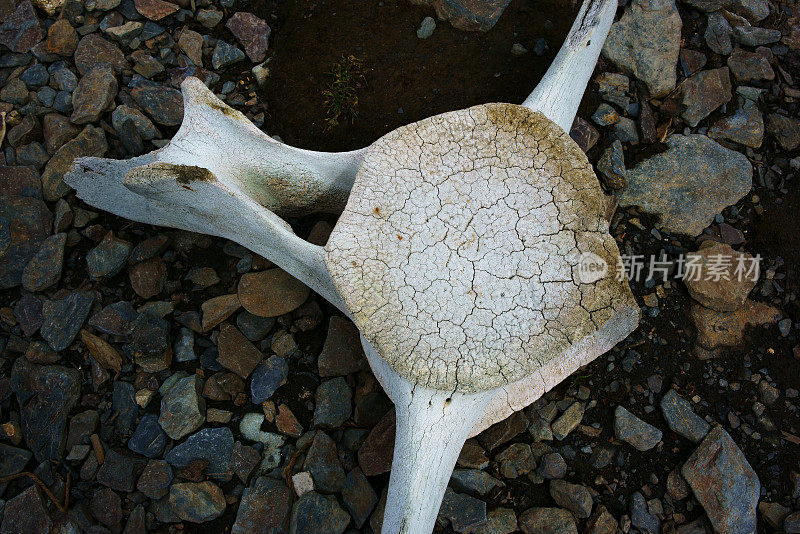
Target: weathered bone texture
point(560, 91)
point(461, 271)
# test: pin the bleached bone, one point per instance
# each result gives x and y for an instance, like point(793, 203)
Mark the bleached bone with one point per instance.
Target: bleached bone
point(457, 254)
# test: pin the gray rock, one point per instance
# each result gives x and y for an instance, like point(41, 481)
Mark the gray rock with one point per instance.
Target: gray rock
point(108, 257)
point(264, 508)
point(516, 460)
point(183, 410)
point(318, 514)
point(268, 376)
point(681, 419)
point(747, 66)
point(184, 346)
point(215, 445)
point(704, 92)
point(144, 126)
point(745, 127)
point(474, 482)
point(44, 269)
point(225, 55)
point(641, 518)
point(36, 76)
point(148, 343)
point(724, 483)
point(94, 94)
point(547, 521)
point(124, 405)
point(155, 479)
point(612, 167)
point(148, 439)
point(462, 511)
point(426, 28)
point(646, 42)
point(755, 10)
point(63, 319)
point(552, 465)
point(752, 36)
point(197, 502)
point(163, 104)
point(333, 403)
point(695, 179)
point(498, 521)
point(718, 34)
point(12, 461)
point(25, 223)
point(358, 496)
point(26, 512)
point(322, 461)
point(568, 421)
point(574, 497)
point(634, 431)
point(119, 471)
point(785, 129)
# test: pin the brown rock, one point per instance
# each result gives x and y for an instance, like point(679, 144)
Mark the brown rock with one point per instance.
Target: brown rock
point(785, 129)
point(148, 277)
point(375, 455)
point(155, 9)
point(704, 92)
point(93, 50)
point(223, 386)
point(217, 309)
point(747, 66)
point(62, 39)
point(20, 181)
point(44, 269)
point(21, 30)
point(252, 33)
point(106, 355)
point(726, 329)
point(719, 277)
point(342, 353)
point(584, 134)
point(236, 352)
point(287, 423)
point(57, 130)
point(27, 131)
point(94, 94)
point(90, 142)
point(191, 43)
point(271, 293)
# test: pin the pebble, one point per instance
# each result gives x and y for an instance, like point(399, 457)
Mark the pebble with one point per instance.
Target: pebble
point(641, 518)
point(547, 520)
point(155, 9)
point(236, 352)
point(426, 28)
point(634, 431)
point(516, 460)
point(342, 353)
point(245, 459)
point(25, 512)
point(119, 471)
point(463, 511)
point(217, 309)
point(252, 33)
point(93, 50)
point(21, 30)
point(681, 419)
point(318, 514)
point(106, 507)
point(90, 142)
point(144, 126)
point(225, 55)
point(44, 269)
point(704, 92)
point(14, 460)
point(552, 466)
point(62, 319)
point(271, 293)
point(148, 343)
point(148, 277)
point(745, 127)
point(24, 224)
point(726, 329)
point(209, 18)
point(333, 403)
point(253, 327)
point(213, 445)
point(267, 378)
point(148, 439)
point(265, 507)
point(574, 497)
point(724, 483)
point(753, 36)
point(155, 479)
point(612, 167)
point(726, 287)
point(95, 94)
point(568, 421)
point(196, 502)
point(785, 129)
point(474, 482)
point(183, 410)
point(35, 76)
point(163, 104)
point(107, 258)
point(747, 66)
point(322, 462)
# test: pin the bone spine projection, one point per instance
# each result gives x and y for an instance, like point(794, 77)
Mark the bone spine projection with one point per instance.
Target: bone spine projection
point(458, 254)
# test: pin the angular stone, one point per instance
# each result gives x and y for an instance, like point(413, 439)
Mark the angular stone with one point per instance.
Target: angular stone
point(267, 378)
point(214, 445)
point(271, 293)
point(148, 344)
point(63, 319)
point(747, 66)
point(225, 55)
point(90, 142)
point(474, 482)
point(95, 93)
point(20, 181)
point(724, 483)
point(245, 458)
point(547, 521)
point(499, 521)
point(44, 269)
point(726, 329)
point(574, 497)
point(695, 179)
point(28, 312)
point(21, 29)
point(375, 455)
point(358, 496)
point(583, 133)
point(785, 129)
point(568, 421)
point(27, 131)
point(163, 104)
point(223, 386)
point(57, 130)
point(12, 461)
point(183, 410)
point(62, 39)
point(107, 258)
point(681, 419)
point(102, 351)
point(516, 460)
point(333, 403)
point(93, 50)
point(634, 431)
point(718, 34)
point(463, 511)
point(155, 9)
point(115, 319)
point(155, 479)
point(148, 277)
point(612, 167)
point(745, 127)
point(236, 352)
point(264, 508)
point(641, 517)
point(342, 353)
point(196, 502)
point(252, 33)
point(24, 224)
point(149, 439)
point(26, 512)
point(106, 507)
point(469, 15)
point(704, 92)
point(646, 42)
point(719, 277)
point(119, 471)
point(322, 462)
point(191, 43)
point(318, 514)
point(144, 126)
point(217, 309)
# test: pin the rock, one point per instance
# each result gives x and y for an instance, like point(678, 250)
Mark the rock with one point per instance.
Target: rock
point(253, 327)
point(250, 427)
point(20, 181)
point(148, 439)
point(27, 131)
point(322, 462)
point(287, 423)
point(184, 346)
point(462, 511)
point(21, 29)
point(107, 258)
point(747, 66)
point(792, 523)
point(681, 419)
point(752, 36)
point(574, 497)
point(480, 15)
point(148, 277)
point(552, 466)
point(568, 421)
point(268, 377)
point(318, 514)
point(63, 319)
point(236, 352)
point(516, 460)
point(641, 518)
point(223, 386)
point(209, 17)
point(28, 312)
point(148, 344)
point(106, 507)
point(614, 87)
point(612, 167)
point(547, 521)
point(214, 445)
point(786, 130)
point(191, 43)
point(94, 94)
point(474, 482)
point(646, 42)
point(634, 431)
point(689, 183)
point(163, 104)
point(90, 142)
point(718, 34)
point(155, 480)
point(62, 39)
point(245, 459)
point(342, 353)
point(333, 400)
point(375, 455)
point(183, 410)
point(155, 9)
point(57, 130)
point(498, 521)
point(143, 125)
point(196, 502)
point(271, 293)
point(119, 472)
point(704, 92)
point(44, 269)
point(252, 33)
point(24, 224)
point(720, 278)
point(602, 523)
point(774, 513)
point(726, 329)
point(583, 133)
point(145, 64)
point(12, 461)
point(745, 127)
point(358, 496)
point(93, 50)
point(426, 28)
point(25, 512)
point(724, 483)
point(217, 309)
point(264, 508)
point(225, 55)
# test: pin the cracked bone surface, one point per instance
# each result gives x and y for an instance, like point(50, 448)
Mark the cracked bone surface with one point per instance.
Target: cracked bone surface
point(457, 253)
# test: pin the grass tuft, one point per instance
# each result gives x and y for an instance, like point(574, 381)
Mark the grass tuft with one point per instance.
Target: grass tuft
point(341, 99)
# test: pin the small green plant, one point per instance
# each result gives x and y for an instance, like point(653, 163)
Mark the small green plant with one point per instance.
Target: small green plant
point(340, 96)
